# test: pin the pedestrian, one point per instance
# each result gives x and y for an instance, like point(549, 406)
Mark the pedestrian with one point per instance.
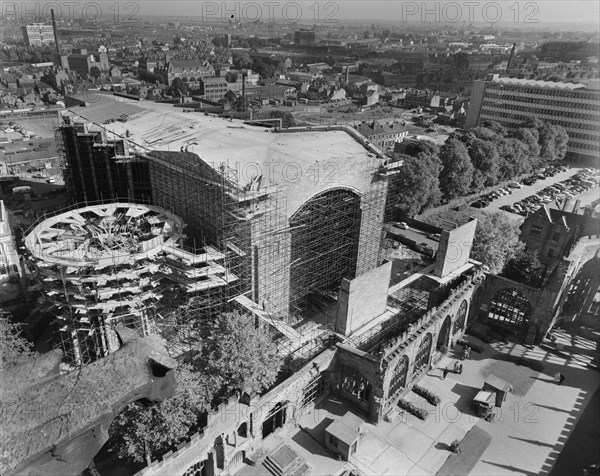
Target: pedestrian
point(460, 368)
point(456, 367)
point(561, 379)
point(444, 372)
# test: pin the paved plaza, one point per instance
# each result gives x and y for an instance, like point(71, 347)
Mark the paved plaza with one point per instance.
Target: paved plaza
point(526, 436)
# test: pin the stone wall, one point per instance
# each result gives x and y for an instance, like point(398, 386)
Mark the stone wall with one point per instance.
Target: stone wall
point(408, 343)
point(219, 444)
point(362, 299)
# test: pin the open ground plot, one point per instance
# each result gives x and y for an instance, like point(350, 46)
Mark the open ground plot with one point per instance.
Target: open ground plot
point(526, 436)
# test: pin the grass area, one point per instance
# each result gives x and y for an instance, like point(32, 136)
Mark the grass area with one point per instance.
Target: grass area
point(471, 448)
point(581, 448)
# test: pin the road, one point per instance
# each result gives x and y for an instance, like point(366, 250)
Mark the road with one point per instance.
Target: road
point(520, 193)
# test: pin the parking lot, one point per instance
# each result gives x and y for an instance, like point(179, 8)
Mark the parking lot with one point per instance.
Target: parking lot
point(520, 194)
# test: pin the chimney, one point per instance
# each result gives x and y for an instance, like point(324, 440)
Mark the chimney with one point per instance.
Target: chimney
point(56, 46)
point(510, 58)
point(244, 73)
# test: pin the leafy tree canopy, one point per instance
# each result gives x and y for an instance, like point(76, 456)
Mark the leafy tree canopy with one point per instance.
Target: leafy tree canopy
point(496, 241)
point(287, 119)
point(457, 172)
point(240, 355)
point(525, 267)
point(417, 186)
point(14, 348)
point(234, 355)
point(142, 432)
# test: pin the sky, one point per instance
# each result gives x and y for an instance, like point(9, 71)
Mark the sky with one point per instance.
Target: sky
point(523, 12)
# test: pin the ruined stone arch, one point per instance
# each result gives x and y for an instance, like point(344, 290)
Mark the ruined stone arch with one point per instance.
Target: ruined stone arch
point(443, 338)
point(461, 316)
point(475, 305)
point(399, 376)
point(424, 352)
point(510, 308)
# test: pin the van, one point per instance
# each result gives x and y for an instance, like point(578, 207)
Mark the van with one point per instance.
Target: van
point(22, 189)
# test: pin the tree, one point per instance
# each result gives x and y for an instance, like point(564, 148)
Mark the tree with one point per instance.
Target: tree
point(552, 140)
point(457, 172)
point(496, 241)
point(239, 355)
point(414, 148)
point(461, 61)
point(485, 157)
point(142, 433)
point(495, 127)
point(14, 348)
point(417, 185)
point(514, 158)
point(50, 79)
point(525, 267)
point(95, 72)
point(265, 70)
point(529, 137)
point(231, 77)
point(486, 134)
point(242, 60)
point(287, 120)
point(217, 41)
point(177, 85)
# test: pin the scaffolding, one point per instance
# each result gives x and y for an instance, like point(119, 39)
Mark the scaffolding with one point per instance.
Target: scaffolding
point(286, 265)
point(106, 269)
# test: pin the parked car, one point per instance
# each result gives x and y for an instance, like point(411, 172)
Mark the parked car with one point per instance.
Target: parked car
point(515, 185)
point(434, 236)
point(50, 180)
point(479, 204)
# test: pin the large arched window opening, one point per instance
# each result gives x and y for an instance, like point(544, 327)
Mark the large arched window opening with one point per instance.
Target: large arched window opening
point(443, 339)
point(325, 234)
point(475, 305)
point(461, 315)
point(583, 289)
point(275, 419)
point(422, 359)
point(355, 384)
point(398, 380)
point(510, 307)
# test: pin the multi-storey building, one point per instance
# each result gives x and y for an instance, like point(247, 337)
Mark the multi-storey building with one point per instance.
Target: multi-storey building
point(512, 101)
point(383, 135)
point(38, 34)
point(304, 37)
point(215, 88)
point(189, 70)
point(83, 62)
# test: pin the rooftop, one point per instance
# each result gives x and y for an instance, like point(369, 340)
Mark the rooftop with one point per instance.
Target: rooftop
point(540, 84)
point(103, 234)
point(301, 162)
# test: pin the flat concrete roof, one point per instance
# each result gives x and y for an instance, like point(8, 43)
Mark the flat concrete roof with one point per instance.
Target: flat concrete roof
point(301, 163)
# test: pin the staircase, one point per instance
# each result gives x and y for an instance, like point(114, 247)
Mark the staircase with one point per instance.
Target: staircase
point(285, 462)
